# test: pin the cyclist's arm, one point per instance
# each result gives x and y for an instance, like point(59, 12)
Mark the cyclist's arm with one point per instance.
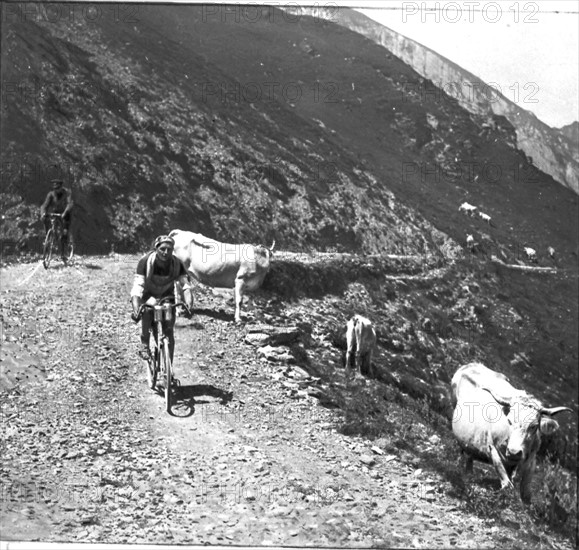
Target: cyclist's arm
point(138, 284)
point(69, 203)
point(183, 280)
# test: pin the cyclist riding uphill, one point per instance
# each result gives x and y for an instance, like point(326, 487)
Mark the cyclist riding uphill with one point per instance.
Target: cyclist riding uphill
point(58, 201)
point(156, 274)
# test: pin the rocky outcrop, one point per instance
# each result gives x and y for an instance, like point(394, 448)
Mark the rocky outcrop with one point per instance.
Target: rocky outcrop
point(553, 151)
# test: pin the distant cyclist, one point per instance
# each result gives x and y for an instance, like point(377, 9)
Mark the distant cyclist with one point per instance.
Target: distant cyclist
point(155, 277)
point(58, 201)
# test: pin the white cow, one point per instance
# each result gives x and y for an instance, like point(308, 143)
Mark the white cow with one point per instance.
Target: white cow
point(467, 208)
point(485, 217)
point(470, 241)
point(239, 266)
point(361, 340)
point(531, 254)
point(497, 423)
point(551, 252)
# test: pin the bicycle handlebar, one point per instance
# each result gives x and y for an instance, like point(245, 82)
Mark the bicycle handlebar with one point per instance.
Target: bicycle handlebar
point(163, 302)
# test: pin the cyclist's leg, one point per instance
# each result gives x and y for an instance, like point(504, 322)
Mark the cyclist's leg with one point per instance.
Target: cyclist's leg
point(168, 328)
point(66, 221)
point(146, 324)
point(46, 221)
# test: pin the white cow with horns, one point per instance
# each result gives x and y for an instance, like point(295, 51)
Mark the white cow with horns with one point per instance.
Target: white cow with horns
point(496, 423)
point(239, 266)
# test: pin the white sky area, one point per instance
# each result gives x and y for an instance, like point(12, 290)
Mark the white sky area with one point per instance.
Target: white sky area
point(531, 51)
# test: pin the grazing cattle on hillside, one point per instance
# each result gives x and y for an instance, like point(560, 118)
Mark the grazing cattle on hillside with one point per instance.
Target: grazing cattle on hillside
point(551, 252)
point(467, 208)
point(470, 241)
point(498, 424)
point(360, 340)
point(485, 217)
point(239, 266)
point(531, 254)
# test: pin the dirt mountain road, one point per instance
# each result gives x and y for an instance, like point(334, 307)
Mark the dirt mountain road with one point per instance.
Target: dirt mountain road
point(252, 454)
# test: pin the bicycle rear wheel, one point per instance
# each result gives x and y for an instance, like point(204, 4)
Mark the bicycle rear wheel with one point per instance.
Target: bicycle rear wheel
point(168, 375)
point(48, 249)
point(68, 250)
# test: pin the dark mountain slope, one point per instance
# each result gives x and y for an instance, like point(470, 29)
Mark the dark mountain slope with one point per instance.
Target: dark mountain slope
point(552, 151)
point(359, 95)
point(123, 108)
point(164, 106)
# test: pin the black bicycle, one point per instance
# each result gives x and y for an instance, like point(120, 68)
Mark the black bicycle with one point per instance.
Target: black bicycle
point(159, 362)
point(54, 241)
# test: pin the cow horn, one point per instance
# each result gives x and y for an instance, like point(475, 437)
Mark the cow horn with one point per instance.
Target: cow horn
point(272, 245)
point(554, 410)
point(504, 401)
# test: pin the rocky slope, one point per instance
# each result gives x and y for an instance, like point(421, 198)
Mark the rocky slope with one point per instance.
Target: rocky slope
point(552, 151)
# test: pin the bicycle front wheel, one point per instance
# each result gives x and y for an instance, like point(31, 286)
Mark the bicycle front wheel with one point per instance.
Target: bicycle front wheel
point(153, 368)
point(48, 248)
point(168, 375)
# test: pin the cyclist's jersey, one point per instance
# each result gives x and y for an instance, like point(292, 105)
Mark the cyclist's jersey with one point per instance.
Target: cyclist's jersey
point(154, 279)
point(57, 202)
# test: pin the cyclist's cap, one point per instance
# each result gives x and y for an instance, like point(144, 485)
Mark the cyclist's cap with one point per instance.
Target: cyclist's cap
point(164, 239)
point(57, 183)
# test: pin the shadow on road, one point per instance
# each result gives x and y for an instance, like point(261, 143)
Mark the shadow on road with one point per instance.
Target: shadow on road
point(219, 314)
point(184, 404)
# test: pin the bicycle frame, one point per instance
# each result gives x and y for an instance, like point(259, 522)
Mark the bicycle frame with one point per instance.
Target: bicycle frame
point(53, 238)
point(161, 361)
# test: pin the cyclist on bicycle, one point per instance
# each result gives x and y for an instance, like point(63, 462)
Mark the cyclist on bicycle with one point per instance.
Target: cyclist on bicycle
point(155, 277)
point(58, 201)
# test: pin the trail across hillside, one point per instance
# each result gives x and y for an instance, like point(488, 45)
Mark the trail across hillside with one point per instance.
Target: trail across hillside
point(252, 456)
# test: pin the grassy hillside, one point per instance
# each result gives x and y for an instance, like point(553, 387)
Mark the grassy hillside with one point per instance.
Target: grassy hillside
point(298, 130)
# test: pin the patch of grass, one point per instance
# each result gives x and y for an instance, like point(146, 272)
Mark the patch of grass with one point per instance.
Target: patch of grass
point(555, 498)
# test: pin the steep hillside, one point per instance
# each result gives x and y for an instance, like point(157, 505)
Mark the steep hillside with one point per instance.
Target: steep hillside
point(552, 152)
point(240, 129)
point(121, 110)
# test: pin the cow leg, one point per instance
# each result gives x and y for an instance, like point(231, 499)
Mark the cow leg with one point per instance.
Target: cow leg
point(358, 362)
point(469, 464)
point(351, 349)
point(526, 476)
point(349, 360)
point(239, 286)
point(369, 368)
point(500, 468)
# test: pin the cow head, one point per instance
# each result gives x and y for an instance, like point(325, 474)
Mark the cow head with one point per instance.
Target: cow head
point(528, 420)
point(267, 252)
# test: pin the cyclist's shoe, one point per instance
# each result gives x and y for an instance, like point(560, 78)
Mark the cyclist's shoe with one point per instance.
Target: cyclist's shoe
point(144, 351)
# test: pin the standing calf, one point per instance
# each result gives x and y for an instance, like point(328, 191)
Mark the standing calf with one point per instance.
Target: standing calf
point(470, 241)
point(485, 217)
point(361, 339)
